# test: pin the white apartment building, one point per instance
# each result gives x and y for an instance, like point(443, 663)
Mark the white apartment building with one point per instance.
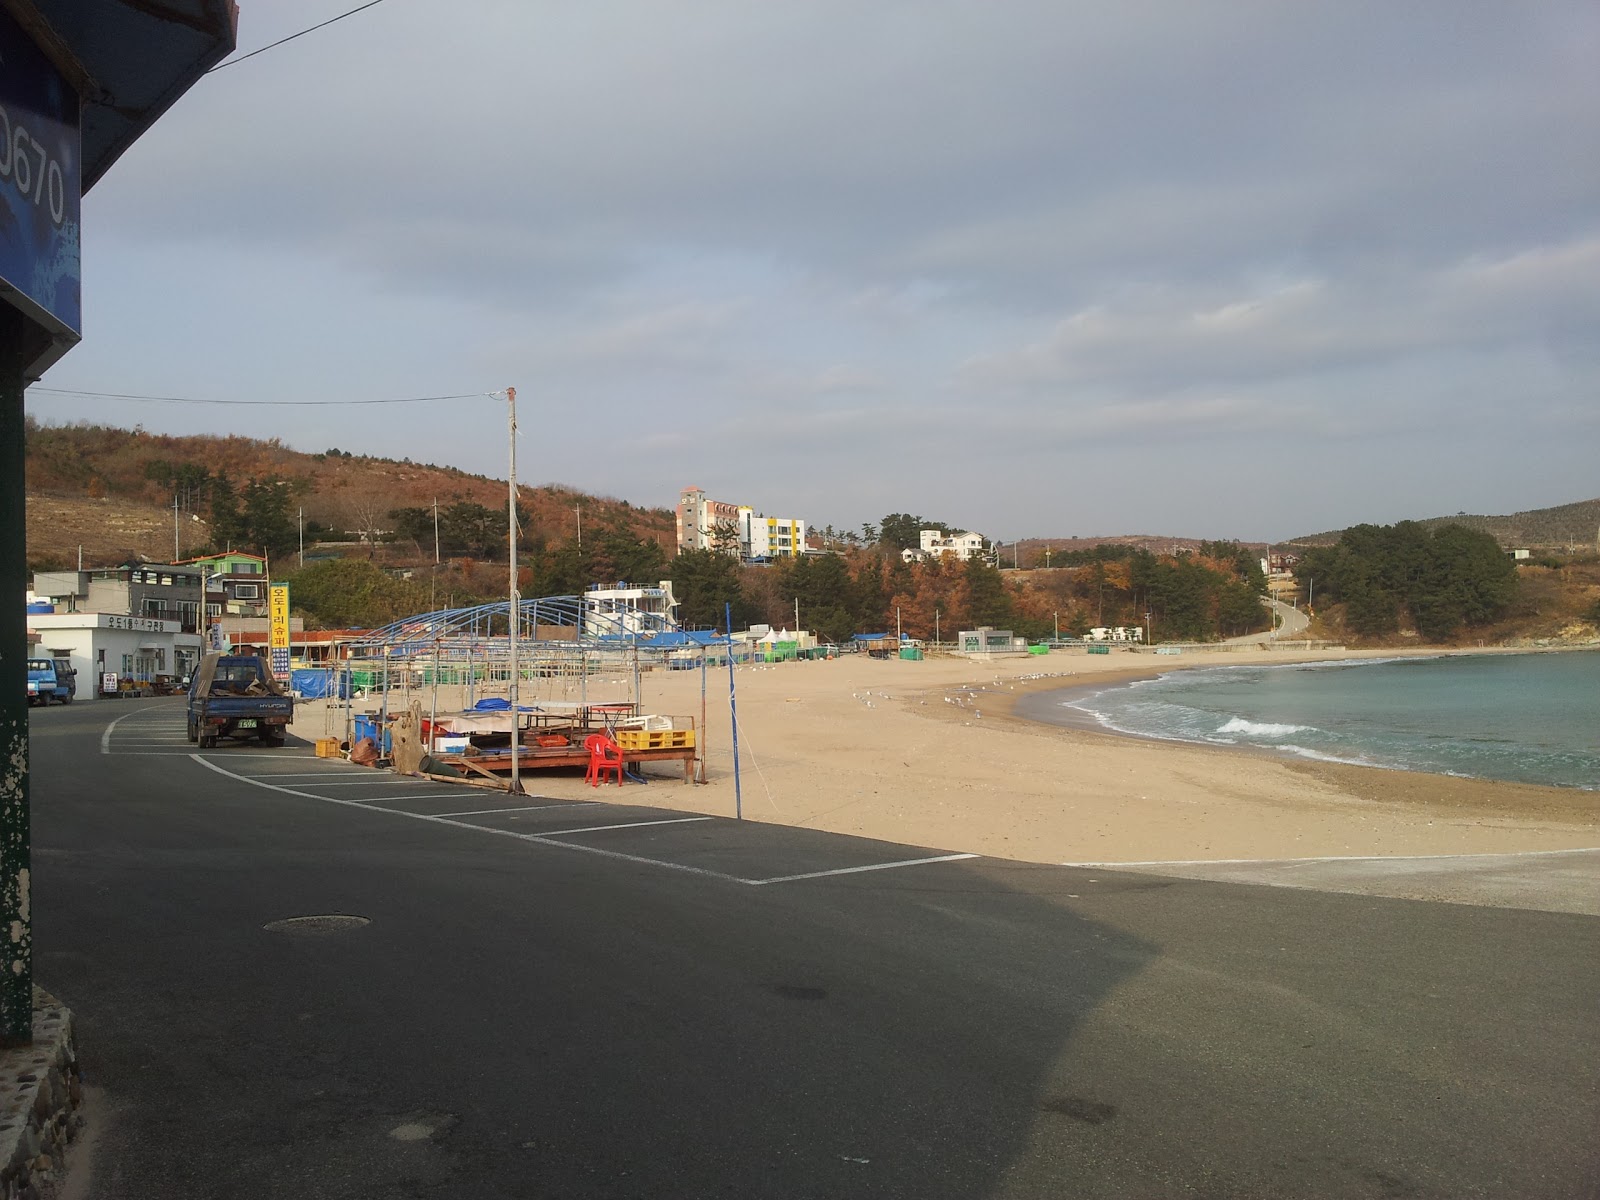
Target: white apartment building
point(936, 544)
point(761, 536)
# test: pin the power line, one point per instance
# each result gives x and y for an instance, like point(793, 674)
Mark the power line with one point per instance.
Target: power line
point(258, 403)
point(232, 62)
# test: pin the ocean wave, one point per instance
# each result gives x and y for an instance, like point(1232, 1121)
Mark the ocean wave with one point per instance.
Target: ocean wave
point(1261, 728)
point(1349, 760)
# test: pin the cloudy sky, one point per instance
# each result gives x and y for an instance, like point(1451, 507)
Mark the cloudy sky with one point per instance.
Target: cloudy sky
point(1243, 269)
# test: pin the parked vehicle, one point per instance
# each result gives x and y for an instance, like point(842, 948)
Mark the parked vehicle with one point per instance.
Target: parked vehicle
point(51, 679)
point(236, 696)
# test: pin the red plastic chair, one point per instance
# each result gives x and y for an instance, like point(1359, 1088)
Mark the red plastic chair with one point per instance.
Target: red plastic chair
point(604, 755)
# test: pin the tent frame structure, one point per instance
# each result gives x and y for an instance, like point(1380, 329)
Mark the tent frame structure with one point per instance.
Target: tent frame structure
point(562, 644)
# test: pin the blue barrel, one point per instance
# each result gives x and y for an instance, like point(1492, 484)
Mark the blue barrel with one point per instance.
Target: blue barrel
point(367, 727)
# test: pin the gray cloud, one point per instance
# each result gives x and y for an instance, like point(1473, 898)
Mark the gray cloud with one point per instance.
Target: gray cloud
point(1140, 224)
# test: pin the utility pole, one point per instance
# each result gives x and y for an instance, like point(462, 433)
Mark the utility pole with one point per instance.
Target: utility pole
point(436, 531)
point(302, 537)
point(514, 606)
point(174, 526)
point(16, 824)
point(578, 508)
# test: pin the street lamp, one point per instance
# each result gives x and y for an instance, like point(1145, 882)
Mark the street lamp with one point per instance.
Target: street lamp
point(1147, 627)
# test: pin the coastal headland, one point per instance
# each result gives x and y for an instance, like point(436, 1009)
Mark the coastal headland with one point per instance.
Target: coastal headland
point(935, 753)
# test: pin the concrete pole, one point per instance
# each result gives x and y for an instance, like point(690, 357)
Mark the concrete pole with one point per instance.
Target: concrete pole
point(16, 919)
point(514, 607)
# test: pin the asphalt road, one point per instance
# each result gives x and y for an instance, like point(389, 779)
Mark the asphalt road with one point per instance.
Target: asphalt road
point(609, 1001)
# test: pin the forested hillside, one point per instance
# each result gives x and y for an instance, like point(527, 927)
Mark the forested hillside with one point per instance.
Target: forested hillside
point(249, 494)
point(1568, 528)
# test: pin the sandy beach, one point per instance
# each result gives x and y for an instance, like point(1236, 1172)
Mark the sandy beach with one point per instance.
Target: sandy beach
point(931, 753)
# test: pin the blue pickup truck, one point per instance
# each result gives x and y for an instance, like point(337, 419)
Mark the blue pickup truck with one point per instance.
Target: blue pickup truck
point(236, 696)
point(51, 679)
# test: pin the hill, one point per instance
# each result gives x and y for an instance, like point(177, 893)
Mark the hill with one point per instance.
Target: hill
point(111, 491)
point(1567, 528)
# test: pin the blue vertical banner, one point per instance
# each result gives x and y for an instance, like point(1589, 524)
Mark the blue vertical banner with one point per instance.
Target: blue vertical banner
point(41, 183)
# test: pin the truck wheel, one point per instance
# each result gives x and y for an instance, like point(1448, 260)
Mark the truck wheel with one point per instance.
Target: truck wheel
point(208, 741)
point(67, 699)
point(194, 734)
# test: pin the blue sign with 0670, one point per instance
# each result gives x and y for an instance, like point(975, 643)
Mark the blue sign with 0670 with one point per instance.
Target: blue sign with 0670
point(40, 184)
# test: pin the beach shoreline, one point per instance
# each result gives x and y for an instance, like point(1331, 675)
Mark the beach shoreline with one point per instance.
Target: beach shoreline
point(935, 753)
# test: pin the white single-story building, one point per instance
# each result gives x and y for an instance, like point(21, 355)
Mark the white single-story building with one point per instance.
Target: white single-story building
point(109, 644)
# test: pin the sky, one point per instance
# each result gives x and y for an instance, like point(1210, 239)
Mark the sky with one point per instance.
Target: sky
point(1230, 270)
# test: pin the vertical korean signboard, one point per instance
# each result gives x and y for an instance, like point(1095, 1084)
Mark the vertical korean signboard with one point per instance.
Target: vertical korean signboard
point(278, 616)
point(40, 183)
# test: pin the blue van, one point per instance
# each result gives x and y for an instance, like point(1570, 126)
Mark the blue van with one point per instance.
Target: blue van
point(51, 679)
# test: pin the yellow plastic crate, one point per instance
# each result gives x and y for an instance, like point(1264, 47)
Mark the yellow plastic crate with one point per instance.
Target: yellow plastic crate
point(655, 739)
point(328, 747)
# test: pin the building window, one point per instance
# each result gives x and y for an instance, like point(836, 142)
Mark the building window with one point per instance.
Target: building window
point(245, 591)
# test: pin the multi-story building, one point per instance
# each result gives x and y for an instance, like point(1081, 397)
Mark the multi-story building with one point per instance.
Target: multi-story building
point(236, 584)
point(764, 537)
point(137, 621)
point(706, 524)
point(938, 544)
point(167, 593)
point(624, 610)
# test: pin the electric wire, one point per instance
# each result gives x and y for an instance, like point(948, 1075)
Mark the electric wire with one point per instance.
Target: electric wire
point(144, 399)
point(270, 45)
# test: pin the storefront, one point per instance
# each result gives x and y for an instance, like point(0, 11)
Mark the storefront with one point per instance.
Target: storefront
point(108, 650)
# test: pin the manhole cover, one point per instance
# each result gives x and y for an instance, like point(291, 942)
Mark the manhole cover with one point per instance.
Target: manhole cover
point(327, 923)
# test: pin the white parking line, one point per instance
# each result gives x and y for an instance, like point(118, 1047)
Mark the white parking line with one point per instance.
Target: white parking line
point(308, 775)
point(380, 782)
point(105, 738)
point(577, 847)
point(369, 801)
point(483, 812)
point(630, 825)
point(888, 866)
point(549, 838)
point(280, 756)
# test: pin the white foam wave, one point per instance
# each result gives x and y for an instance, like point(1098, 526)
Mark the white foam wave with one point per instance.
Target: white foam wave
point(1350, 760)
point(1260, 728)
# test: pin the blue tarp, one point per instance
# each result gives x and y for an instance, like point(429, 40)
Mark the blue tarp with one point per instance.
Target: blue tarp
point(315, 683)
point(501, 704)
point(682, 640)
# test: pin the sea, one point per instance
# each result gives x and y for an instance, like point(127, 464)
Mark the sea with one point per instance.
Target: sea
point(1525, 718)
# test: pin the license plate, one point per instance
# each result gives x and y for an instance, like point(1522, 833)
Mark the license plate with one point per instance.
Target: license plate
point(247, 724)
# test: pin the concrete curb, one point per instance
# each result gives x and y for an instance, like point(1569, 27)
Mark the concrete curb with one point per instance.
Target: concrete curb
point(40, 1091)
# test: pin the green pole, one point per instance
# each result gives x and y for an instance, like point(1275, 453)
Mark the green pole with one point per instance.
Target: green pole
point(16, 919)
